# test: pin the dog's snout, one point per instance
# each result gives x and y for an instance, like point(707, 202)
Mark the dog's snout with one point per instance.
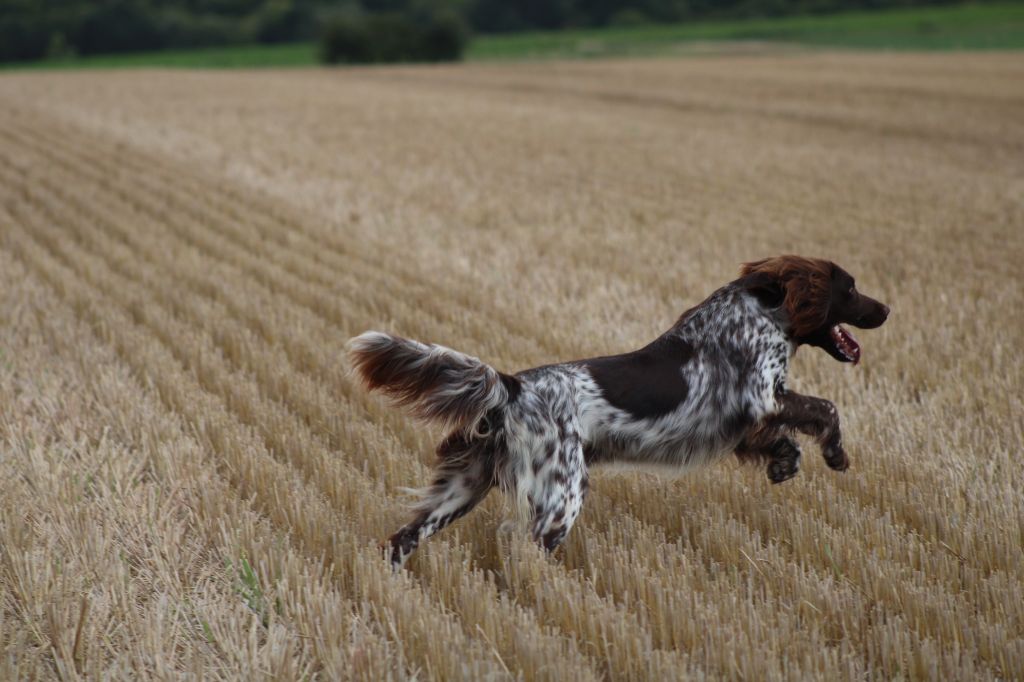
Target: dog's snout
point(873, 315)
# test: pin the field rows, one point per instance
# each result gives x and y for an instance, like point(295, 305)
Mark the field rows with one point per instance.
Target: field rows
point(193, 482)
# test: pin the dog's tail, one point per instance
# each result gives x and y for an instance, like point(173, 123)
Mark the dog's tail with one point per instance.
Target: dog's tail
point(436, 383)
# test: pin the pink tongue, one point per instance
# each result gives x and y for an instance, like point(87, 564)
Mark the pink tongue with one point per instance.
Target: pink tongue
point(846, 344)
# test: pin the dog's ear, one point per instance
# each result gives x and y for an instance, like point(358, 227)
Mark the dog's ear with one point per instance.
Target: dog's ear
point(765, 287)
point(808, 295)
point(805, 287)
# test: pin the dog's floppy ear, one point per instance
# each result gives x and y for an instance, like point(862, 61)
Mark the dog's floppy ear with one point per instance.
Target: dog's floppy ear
point(765, 287)
point(805, 284)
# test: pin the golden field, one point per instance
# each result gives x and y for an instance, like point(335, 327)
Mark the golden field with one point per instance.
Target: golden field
point(194, 487)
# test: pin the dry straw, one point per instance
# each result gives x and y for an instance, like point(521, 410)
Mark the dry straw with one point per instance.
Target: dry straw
point(193, 485)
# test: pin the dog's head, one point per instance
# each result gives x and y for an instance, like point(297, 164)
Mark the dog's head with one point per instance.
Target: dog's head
point(818, 297)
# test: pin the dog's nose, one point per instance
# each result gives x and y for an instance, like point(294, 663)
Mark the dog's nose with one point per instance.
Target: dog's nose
point(885, 312)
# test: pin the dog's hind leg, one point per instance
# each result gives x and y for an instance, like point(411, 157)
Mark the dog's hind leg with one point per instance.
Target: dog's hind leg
point(459, 485)
point(771, 444)
point(784, 462)
point(559, 487)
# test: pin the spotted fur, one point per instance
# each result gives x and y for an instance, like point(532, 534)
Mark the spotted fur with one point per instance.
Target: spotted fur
point(713, 384)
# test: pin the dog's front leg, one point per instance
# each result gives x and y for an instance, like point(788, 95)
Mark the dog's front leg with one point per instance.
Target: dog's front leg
point(817, 418)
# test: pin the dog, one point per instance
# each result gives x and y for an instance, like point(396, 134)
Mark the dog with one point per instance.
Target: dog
point(713, 384)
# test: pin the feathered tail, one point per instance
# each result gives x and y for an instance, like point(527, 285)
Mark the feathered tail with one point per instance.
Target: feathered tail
point(436, 383)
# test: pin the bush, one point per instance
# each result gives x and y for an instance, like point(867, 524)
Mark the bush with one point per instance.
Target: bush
point(393, 37)
point(346, 39)
point(444, 38)
point(390, 37)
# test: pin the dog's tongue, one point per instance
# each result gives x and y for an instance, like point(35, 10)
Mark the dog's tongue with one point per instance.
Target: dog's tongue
point(846, 344)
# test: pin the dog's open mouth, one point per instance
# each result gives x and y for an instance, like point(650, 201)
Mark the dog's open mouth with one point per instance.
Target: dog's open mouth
point(845, 344)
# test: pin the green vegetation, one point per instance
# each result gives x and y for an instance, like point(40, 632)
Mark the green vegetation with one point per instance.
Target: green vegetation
point(989, 26)
point(229, 57)
point(983, 26)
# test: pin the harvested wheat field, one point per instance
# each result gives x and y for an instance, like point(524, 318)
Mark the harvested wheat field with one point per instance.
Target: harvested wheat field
point(193, 485)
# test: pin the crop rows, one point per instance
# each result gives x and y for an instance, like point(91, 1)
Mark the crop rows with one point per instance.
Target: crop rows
point(193, 483)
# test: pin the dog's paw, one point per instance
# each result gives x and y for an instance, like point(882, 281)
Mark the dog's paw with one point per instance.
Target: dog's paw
point(836, 459)
point(401, 545)
point(780, 470)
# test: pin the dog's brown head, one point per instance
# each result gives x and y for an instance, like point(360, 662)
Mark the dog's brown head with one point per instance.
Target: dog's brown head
point(818, 297)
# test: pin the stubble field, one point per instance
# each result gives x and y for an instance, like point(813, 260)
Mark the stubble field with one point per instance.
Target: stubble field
point(192, 484)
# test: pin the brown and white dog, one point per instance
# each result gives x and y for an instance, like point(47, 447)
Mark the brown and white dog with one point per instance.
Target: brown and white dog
point(714, 383)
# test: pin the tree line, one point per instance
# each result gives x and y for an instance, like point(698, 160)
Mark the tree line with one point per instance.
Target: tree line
point(36, 29)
